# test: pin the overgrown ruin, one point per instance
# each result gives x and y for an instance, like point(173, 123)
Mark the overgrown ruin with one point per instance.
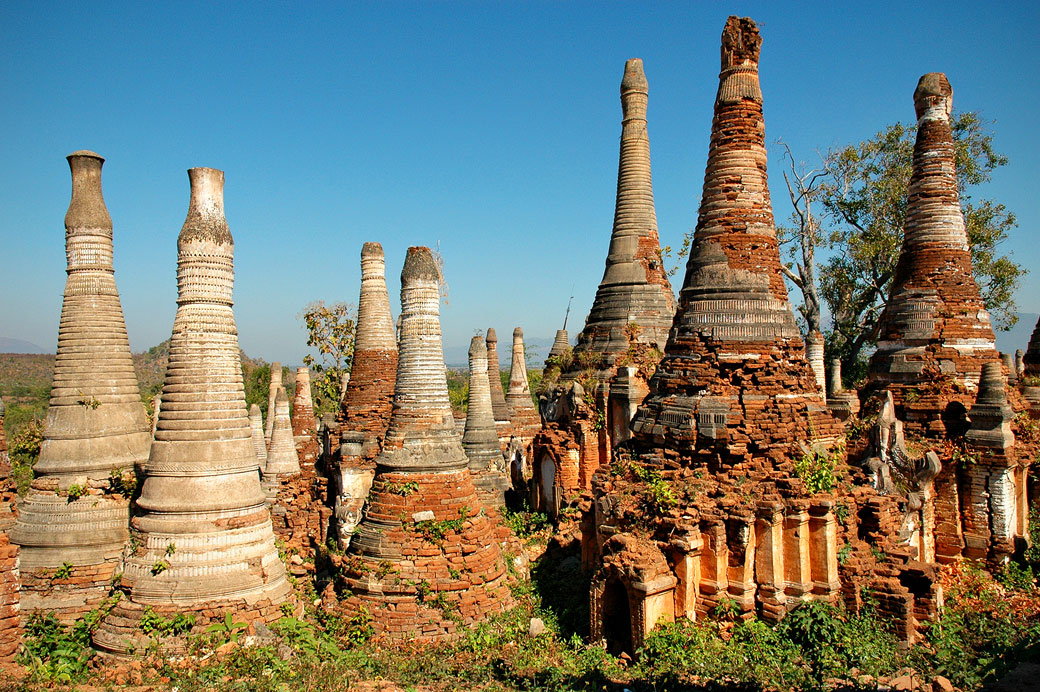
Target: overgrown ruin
point(424, 561)
point(592, 390)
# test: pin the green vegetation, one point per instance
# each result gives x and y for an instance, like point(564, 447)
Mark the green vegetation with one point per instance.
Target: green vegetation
point(330, 331)
point(817, 469)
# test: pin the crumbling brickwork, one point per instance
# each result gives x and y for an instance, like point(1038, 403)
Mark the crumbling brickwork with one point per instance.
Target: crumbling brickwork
point(304, 423)
point(711, 500)
point(425, 559)
point(627, 325)
point(10, 586)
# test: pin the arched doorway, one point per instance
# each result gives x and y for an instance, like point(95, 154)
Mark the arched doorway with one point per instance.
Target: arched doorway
point(547, 473)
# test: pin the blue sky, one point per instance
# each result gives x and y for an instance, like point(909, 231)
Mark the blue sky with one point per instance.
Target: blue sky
point(488, 129)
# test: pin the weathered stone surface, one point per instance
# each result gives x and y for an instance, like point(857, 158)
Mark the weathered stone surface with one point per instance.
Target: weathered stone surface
point(627, 326)
point(304, 423)
point(10, 586)
point(256, 424)
point(635, 287)
point(498, 397)
point(561, 344)
point(95, 423)
point(282, 458)
point(734, 385)
point(842, 404)
point(205, 538)
point(935, 325)
point(275, 383)
point(368, 401)
point(522, 413)
point(480, 439)
point(404, 571)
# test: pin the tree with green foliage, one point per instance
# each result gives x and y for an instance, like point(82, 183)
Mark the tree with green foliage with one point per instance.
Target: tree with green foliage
point(862, 200)
point(330, 330)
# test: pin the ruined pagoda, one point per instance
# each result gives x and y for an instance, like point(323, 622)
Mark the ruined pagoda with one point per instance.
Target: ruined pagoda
point(498, 397)
point(304, 422)
point(423, 523)
point(272, 391)
point(935, 327)
point(480, 440)
point(522, 413)
point(588, 402)
point(96, 430)
point(365, 412)
point(705, 504)
point(734, 387)
point(634, 301)
point(206, 544)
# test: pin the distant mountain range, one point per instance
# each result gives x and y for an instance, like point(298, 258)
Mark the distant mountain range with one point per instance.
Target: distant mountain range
point(11, 345)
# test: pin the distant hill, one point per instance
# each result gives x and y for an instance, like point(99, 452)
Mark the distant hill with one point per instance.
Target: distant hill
point(12, 345)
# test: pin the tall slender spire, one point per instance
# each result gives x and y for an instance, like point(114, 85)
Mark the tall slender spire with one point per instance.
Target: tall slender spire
point(735, 376)
point(480, 439)
point(275, 383)
point(422, 478)
point(935, 320)
point(201, 491)
point(635, 287)
point(304, 423)
point(498, 396)
point(95, 423)
point(521, 408)
point(282, 457)
point(365, 413)
point(256, 424)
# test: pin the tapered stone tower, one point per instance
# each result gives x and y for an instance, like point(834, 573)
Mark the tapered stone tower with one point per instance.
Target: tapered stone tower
point(635, 288)
point(1031, 358)
point(275, 383)
point(423, 518)
point(560, 344)
point(935, 324)
point(206, 544)
point(498, 397)
point(282, 458)
point(256, 424)
point(735, 385)
point(304, 423)
point(480, 440)
point(96, 425)
point(368, 400)
point(522, 413)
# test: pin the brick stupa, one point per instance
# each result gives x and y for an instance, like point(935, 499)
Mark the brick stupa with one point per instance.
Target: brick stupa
point(95, 427)
point(935, 325)
point(480, 440)
point(206, 543)
point(734, 387)
point(498, 396)
point(304, 422)
point(425, 558)
point(635, 288)
point(368, 399)
point(522, 413)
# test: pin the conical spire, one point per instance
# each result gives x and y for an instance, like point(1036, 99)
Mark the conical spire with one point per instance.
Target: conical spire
point(521, 408)
point(272, 392)
point(304, 423)
point(156, 405)
point(201, 491)
point(935, 317)
point(498, 397)
point(480, 439)
point(735, 360)
point(365, 413)
point(95, 422)
point(635, 287)
point(422, 480)
point(282, 459)
point(256, 423)
point(560, 344)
